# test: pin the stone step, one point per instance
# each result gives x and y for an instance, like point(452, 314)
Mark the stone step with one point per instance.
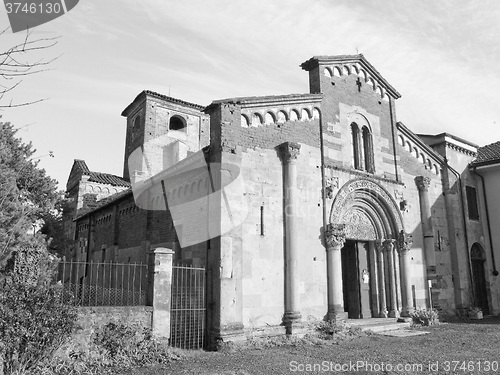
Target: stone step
point(378, 325)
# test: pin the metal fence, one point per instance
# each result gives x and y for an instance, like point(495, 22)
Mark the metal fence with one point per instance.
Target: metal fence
point(104, 284)
point(188, 307)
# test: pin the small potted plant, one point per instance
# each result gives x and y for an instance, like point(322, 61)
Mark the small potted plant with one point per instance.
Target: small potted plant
point(475, 313)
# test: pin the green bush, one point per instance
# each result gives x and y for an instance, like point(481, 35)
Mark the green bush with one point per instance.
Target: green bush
point(425, 317)
point(33, 324)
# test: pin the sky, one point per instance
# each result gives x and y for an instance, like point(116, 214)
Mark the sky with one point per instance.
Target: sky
point(441, 55)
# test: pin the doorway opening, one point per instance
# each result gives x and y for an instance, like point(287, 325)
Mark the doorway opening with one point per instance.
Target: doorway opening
point(356, 279)
point(479, 278)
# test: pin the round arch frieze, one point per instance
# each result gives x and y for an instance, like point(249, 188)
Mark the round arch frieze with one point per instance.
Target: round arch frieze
point(367, 210)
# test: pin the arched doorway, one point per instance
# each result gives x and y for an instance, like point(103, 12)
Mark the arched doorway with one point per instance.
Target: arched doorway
point(479, 277)
point(371, 275)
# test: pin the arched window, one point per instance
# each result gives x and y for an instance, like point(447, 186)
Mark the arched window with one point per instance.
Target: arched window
point(356, 155)
point(176, 123)
point(368, 150)
point(136, 125)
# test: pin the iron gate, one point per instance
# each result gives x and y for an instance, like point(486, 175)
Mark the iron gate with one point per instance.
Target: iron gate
point(188, 307)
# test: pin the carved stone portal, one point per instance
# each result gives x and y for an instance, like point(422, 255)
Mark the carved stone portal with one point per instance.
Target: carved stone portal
point(368, 211)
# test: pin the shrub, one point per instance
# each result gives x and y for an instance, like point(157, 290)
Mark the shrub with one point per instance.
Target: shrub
point(125, 346)
point(33, 323)
point(330, 330)
point(425, 317)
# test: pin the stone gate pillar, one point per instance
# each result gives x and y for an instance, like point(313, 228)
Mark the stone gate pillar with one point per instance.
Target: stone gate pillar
point(160, 290)
point(404, 245)
point(289, 152)
point(423, 184)
point(335, 239)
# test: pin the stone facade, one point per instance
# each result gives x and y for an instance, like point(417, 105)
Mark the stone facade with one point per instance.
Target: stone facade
point(338, 210)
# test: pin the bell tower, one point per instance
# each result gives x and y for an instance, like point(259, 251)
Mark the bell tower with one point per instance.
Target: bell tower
point(160, 132)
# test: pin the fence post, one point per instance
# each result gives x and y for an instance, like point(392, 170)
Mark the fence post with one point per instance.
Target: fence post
point(159, 294)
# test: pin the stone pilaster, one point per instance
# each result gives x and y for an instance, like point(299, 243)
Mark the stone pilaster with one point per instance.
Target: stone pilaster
point(335, 239)
point(423, 184)
point(404, 245)
point(379, 245)
point(289, 151)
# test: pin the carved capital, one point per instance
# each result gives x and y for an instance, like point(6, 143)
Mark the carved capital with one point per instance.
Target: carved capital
point(289, 151)
point(389, 245)
point(379, 246)
point(423, 183)
point(335, 236)
point(405, 241)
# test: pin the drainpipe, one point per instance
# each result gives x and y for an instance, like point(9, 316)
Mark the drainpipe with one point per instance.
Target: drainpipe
point(393, 125)
point(464, 220)
point(323, 180)
point(495, 271)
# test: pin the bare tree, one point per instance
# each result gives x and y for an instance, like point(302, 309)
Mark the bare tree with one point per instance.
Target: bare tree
point(20, 61)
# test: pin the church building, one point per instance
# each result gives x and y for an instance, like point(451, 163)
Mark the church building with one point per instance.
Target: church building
point(301, 207)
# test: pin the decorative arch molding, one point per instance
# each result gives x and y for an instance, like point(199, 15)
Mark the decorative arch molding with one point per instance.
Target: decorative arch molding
point(367, 210)
point(359, 119)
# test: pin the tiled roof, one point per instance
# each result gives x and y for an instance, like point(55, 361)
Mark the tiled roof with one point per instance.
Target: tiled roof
point(488, 153)
point(144, 93)
point(103, 202)
point(106, 178)
point(80, 164)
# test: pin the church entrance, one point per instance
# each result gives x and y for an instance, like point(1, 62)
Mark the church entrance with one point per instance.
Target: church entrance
point(356, 279)
point(480, 292)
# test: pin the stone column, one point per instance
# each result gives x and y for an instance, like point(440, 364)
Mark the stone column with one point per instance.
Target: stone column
point(335, 239)
point(397, 278)
point(389, 249)
point(289, 153)
point(373, 266)
point(160, 290)
point(381, 279)
point(404, 245)
point(423, 184)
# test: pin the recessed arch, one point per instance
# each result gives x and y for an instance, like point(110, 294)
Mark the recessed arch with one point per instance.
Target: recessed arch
point(328, 72)
point(345, 70)
point(337, 72)
point(367, 210)
point(316, 113)
point(294, 115)
point(177, 123)
point(415, 152)
point(257, 119)
point(408, 146)
point(282, 117)
point(270, 118)
point(245, 121)
point(401, 140)
point(305, 114)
